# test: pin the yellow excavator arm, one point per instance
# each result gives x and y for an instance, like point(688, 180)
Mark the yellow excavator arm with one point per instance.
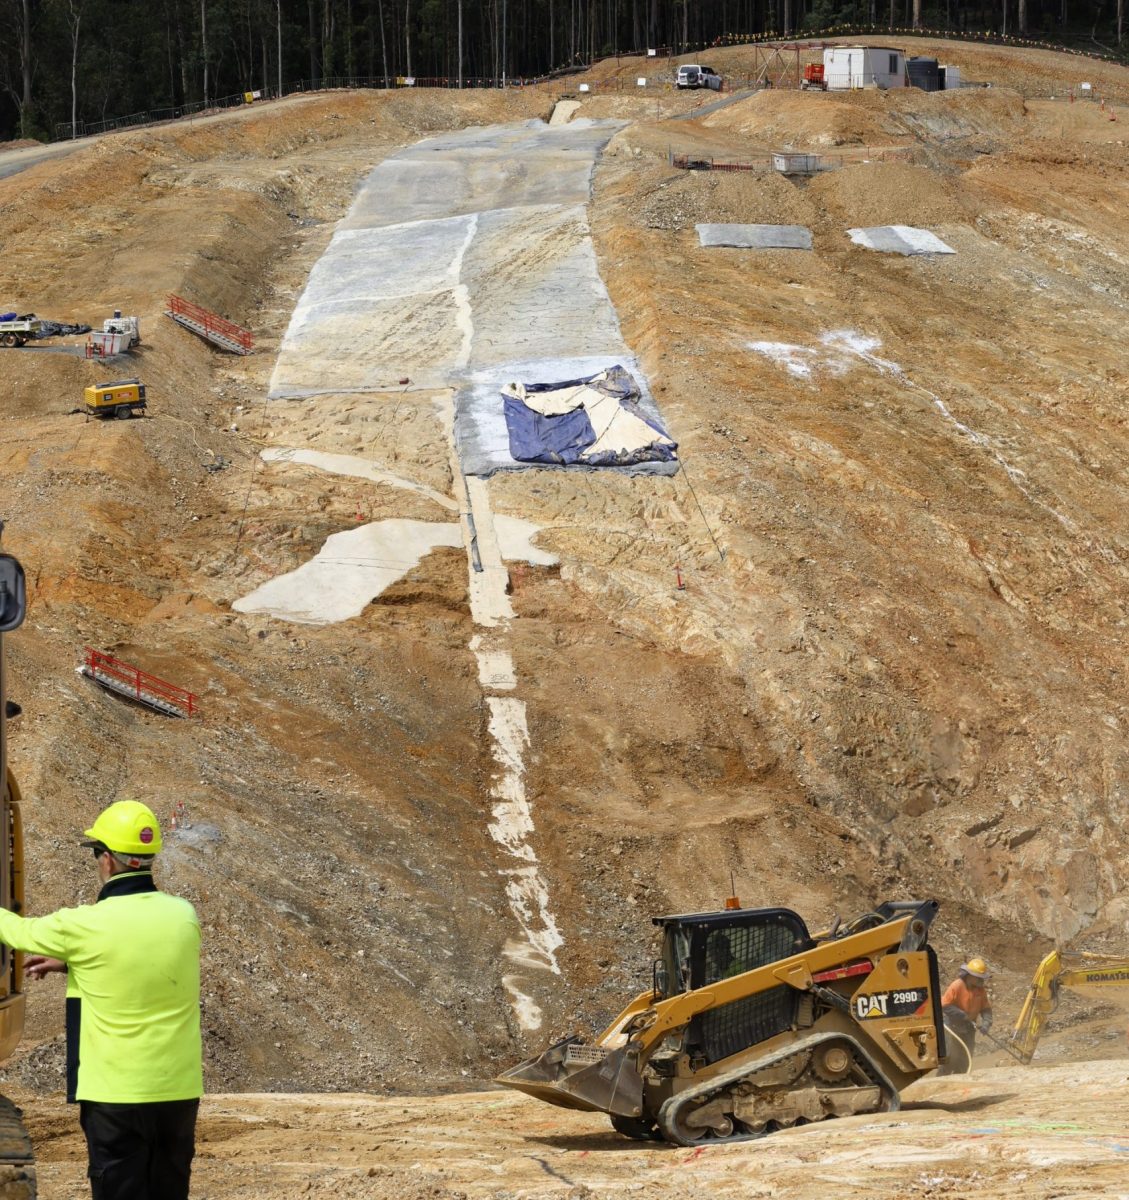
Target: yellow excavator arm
point(1078, 971)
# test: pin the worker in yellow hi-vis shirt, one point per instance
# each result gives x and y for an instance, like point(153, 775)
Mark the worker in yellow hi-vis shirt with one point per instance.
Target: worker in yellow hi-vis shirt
point(133, 989)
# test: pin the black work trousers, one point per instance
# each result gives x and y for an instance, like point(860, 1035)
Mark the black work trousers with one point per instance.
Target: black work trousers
point(140, 1151)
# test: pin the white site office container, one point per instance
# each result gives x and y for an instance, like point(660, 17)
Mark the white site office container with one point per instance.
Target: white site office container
point(846, 67)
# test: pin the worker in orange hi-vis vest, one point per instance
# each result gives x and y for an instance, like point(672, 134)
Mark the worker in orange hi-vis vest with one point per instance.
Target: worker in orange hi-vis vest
point(966, 1003)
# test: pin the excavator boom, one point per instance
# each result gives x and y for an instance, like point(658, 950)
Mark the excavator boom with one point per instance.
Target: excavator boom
point(1105, 975)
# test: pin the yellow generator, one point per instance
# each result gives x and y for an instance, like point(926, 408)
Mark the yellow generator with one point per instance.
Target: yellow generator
point(124, 398)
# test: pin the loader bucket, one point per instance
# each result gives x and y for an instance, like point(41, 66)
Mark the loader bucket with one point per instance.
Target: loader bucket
point(573, 1074)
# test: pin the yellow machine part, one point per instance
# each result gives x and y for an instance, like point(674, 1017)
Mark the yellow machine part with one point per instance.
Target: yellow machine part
point(1100, 975)
point(111, 395)
point(12, 887)
point(17, 1164)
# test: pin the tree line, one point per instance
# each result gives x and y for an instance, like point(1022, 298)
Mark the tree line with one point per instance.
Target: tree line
point(68, 62)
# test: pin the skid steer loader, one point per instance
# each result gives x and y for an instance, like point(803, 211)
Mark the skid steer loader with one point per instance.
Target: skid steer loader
point(753, 1024)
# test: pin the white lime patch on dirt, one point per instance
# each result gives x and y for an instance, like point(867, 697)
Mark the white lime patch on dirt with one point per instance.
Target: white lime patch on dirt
point(850, 341)
point(485, 538)
point(529, 896)
point(841, 349)
point(352, 464)
point(526, 1009)
point(349, 571)
point(834, 358)
point(513, 821)
point(515, 540)
point(526, 890)
point(796, 360)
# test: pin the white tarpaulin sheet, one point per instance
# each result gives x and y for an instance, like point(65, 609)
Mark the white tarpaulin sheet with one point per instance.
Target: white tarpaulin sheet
point(460, 253)
point(899, 239)
point(464, 262)
point(756, 237)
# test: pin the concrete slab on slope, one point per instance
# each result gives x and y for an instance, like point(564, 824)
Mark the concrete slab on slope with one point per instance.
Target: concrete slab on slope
point(462, 252)
point(472, 170)
point(756, 237)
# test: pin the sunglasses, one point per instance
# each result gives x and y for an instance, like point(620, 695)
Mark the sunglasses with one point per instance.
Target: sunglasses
point(97, 847)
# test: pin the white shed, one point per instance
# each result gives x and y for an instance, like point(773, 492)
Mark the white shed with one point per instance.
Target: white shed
point(846, 67)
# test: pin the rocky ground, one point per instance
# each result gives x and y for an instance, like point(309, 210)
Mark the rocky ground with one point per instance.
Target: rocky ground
point(896, 667)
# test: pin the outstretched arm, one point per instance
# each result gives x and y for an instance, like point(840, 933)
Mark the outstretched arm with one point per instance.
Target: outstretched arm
point(37, 966)
point(50, 936)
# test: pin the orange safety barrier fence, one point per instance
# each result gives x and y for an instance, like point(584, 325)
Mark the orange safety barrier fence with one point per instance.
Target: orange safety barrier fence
point(143, 686)
point(210, 322)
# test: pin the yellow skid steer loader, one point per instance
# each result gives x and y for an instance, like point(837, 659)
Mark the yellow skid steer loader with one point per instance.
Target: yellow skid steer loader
point(753, 1024)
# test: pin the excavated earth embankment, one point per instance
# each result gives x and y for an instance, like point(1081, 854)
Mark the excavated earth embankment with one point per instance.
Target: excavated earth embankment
point(896, 667)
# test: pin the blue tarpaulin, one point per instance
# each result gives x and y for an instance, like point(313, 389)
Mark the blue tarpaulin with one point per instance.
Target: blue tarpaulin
point(594, 421)
point(537, 438)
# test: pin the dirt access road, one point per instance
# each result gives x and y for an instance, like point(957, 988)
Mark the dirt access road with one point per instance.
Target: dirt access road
point(1040, 1132)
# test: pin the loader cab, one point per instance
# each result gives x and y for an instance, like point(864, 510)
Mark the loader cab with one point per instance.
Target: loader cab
point(698, 949)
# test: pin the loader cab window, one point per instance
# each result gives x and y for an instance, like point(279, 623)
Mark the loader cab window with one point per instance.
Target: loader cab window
point(739, 948)
point(727, 944)
point(720, 963)
point(701, 949)
point(672, 974)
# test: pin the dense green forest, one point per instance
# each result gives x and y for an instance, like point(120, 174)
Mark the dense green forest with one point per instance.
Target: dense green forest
point(84, 61)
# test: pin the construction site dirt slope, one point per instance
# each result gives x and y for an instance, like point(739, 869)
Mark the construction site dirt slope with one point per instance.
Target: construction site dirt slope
point(895, 666)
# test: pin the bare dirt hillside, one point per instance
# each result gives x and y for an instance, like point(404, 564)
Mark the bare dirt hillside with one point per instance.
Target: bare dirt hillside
point(896, 667)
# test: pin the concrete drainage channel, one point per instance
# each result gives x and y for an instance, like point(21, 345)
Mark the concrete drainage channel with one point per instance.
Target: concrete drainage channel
point(463, 258)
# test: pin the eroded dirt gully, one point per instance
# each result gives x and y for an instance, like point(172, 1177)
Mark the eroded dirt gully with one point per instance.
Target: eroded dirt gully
point(896, 667)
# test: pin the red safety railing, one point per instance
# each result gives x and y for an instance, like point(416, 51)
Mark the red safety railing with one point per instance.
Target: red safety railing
point(179, 307)
point(130, 680)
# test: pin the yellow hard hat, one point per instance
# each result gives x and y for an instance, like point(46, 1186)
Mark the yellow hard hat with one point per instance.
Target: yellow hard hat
point(127, 827)
point(977, 967)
